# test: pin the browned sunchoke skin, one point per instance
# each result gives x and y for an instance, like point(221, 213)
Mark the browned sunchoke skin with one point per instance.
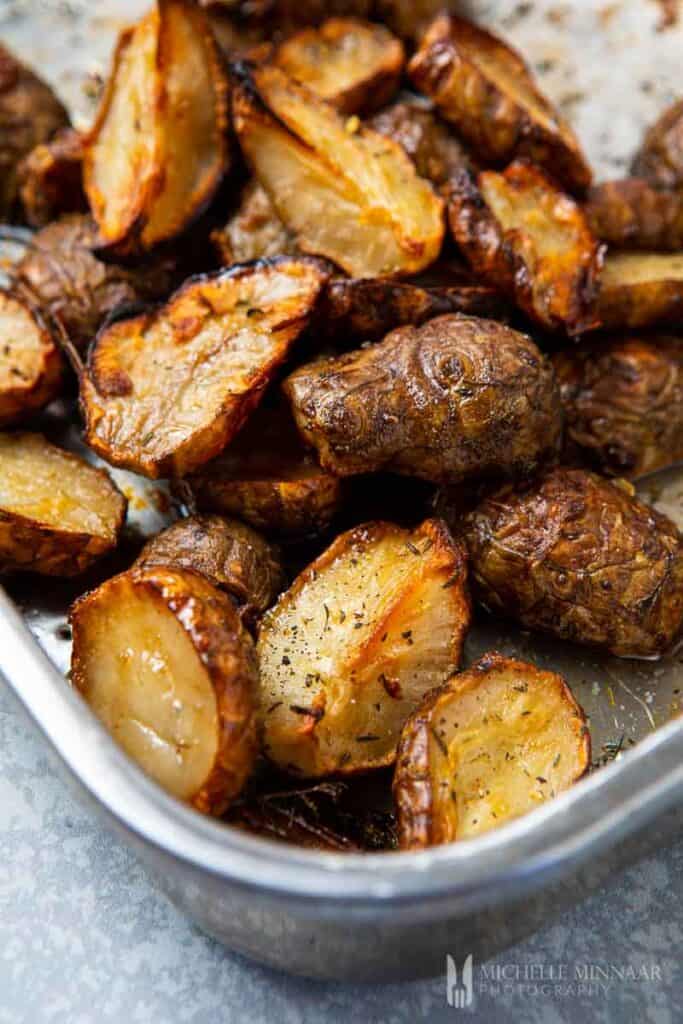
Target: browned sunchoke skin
point(229, 553)
point(429, 142)
point(268, 479)
point(455, 399)
point(623, 401)
point(660, 158)
point(79, 290)
point(51, 179)
point(30, 113)
point(366, 309)
point(634, 214)
point(578, 556)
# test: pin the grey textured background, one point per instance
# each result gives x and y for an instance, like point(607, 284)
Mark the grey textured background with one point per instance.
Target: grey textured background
point(85, 937)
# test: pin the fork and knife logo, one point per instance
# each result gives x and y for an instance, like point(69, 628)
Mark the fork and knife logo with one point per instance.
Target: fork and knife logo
point(459, 993)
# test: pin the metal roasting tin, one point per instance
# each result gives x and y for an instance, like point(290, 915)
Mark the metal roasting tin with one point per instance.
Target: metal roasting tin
point(612, 68)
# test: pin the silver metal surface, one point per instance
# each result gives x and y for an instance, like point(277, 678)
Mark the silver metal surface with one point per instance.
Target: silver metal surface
point(389, 914)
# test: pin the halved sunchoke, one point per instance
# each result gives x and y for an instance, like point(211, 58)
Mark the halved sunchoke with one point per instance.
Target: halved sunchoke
point(161, 657)
point(352, 647)
point(455, 399)
point(641, 289)
point(78, 290)
point(490, 745)
point(580, 557)
point(30, 362)
point(623, 403)
point(533, 241)
point(267, 478)
point(57, 513)
point(165, 391)
point(158, 149)
point(122, 158)
point(354, 65)
point(486, 89)
point(344, 191)
point(230, 554)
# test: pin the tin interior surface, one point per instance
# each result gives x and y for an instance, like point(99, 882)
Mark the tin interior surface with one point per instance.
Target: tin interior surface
point(612, 69)
point(624, 699)
point(583, 54)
